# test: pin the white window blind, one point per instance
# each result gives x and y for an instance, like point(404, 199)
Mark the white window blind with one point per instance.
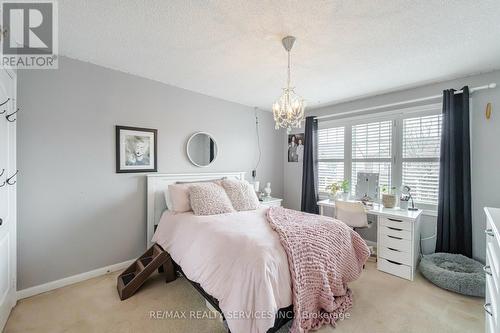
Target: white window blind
point(421, 151)
point(371, 151)
point(330, 156)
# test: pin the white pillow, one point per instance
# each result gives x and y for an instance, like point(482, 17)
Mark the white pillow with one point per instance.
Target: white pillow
point(209, 199)
point(241, 194)
point(178, 195)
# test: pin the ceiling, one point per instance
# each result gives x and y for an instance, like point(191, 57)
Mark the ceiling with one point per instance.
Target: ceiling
point(232, 49)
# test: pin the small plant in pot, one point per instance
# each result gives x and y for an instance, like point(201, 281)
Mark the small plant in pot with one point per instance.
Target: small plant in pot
point(345, 189)
point(332, 189)
point(388, 196)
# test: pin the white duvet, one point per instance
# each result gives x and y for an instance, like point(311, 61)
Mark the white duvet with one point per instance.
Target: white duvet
point(237, 258)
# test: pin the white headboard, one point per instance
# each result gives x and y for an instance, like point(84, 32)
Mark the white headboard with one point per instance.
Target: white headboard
point(158, 183)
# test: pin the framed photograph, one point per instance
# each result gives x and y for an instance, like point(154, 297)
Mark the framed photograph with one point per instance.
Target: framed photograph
point(136, 149)
point(296, 147)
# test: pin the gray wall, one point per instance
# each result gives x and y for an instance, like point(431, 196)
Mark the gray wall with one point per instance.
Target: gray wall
point(75, 213)
point(485, 137)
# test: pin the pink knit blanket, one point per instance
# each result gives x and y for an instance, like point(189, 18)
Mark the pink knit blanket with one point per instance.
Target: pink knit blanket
point(324, 255)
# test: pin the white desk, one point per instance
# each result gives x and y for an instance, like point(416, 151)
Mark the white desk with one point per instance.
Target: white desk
point(398, 238)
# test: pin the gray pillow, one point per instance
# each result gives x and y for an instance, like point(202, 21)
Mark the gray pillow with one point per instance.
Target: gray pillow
point(209, 199)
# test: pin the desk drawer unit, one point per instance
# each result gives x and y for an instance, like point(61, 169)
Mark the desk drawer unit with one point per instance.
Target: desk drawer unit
point(394, 268)
point(398, 246)
point(492, 270)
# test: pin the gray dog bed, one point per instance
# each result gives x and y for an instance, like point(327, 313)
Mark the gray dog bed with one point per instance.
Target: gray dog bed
point(454, 272)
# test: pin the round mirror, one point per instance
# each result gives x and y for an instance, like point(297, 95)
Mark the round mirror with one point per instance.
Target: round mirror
point(201, 149)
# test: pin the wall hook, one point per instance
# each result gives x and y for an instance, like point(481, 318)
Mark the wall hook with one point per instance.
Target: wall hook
point(8, 181)
point(488, 111)
point(10, 115)
point(1, 174)
point(2, 104)
point(3, 184)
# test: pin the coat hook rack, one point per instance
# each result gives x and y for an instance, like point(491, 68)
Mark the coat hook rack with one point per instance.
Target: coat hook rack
point(8, 181)
point(10, 115)
point(2, 104)
point(488, 111)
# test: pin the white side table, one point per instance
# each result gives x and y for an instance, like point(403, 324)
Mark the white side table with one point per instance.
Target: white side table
point(271, 202)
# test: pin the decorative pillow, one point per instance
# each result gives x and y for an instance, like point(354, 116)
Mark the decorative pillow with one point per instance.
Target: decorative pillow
point(209, 199)
point(179, 198)
point(177, 195)
point(241, 194)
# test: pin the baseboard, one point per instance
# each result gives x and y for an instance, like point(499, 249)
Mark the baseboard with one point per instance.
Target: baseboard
point(42, 288)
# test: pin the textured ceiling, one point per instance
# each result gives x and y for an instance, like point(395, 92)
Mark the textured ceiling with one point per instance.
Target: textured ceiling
point(232, 49)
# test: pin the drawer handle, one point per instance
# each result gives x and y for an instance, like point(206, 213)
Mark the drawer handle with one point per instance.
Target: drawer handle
point(489, 232)
point(393, 262)
point(390, 248)
point(399, 238)
point(397, 229)
point(486, 309)
point(487, 270)
point(395, 220)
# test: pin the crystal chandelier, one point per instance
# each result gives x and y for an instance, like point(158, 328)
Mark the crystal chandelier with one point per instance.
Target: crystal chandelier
point(288, 110)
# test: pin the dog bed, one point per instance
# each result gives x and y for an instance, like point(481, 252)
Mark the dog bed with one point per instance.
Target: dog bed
point(454, 272)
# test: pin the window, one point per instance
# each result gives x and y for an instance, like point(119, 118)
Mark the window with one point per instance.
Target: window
point(402, 148)
point(330, 156)
point(371, 151)
point(421, 149)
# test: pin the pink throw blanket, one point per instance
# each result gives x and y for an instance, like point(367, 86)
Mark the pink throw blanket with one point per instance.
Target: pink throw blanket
point(324, 255)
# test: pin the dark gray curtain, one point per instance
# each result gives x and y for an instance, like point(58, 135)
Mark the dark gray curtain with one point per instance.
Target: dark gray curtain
point(310, 168)
point(454, 226)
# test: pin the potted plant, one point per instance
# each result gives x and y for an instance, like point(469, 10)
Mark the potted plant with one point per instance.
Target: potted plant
point(388, 196)
point(333, 188)
point(345, 189)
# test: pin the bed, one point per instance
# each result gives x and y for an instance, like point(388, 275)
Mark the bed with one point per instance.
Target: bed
point(197, 257)
point(251, 265)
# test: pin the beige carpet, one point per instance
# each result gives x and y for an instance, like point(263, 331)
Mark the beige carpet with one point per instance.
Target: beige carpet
point(382, 303)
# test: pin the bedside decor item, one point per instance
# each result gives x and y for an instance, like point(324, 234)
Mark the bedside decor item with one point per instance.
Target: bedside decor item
point(296, 147)
point(136, 149)
point(388, 197)
point(288, 110)
point(267, 190)
point(406, 191)
point(201, 149)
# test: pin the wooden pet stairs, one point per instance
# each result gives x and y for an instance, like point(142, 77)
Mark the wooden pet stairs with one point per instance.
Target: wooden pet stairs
point(136, 274)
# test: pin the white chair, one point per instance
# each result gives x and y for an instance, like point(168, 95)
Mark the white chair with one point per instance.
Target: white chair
point(352, 213)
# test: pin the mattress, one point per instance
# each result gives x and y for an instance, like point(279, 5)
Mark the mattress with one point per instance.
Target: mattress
point(236, 258)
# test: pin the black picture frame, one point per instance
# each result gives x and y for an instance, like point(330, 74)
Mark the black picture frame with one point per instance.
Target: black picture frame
point(152, 166)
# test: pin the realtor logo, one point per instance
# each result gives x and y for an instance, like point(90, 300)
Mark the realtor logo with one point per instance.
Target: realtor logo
point(29, 34)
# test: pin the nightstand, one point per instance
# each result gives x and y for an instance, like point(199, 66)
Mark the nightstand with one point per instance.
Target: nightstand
point(271, 202)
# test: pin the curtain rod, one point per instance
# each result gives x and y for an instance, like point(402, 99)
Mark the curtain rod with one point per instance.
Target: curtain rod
point(486, 86)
